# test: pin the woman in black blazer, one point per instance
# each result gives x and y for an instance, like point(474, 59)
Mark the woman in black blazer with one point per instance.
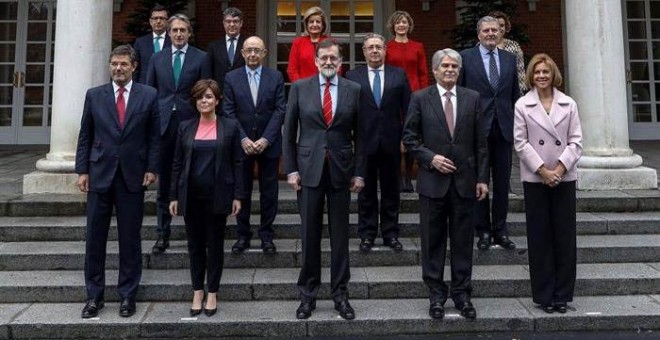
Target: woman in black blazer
point(206, 186)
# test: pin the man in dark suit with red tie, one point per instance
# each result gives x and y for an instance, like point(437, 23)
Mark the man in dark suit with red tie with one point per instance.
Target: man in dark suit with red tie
point(255, 96)
point(323, 159)
point(492, 72)
point(444, 133)
point(146, 45)
point(173, 72)
point(116, 159)
point(225, 54)
point(384, 102)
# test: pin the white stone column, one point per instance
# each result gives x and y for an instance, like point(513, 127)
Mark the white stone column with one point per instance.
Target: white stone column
point(82, 46)
point(596, 73)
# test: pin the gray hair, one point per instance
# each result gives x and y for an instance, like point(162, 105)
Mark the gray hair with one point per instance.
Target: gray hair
point(181, 17)
point(232, 12)
point(447, 52)
point(487, 19)
point(373, 36)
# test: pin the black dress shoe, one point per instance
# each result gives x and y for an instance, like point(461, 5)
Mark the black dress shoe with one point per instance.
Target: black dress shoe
point(127, 308)
point(92, 308)
point(268, 247)
point(366, 244)
point(162, 243)
point(437, 310)
point(393, 243)
point(505, 242)
point(305, 309)
point(467, 310)
point(484, 242)
point(548, 309)
point(240, 246)
point(560, 307)
point(345, 310)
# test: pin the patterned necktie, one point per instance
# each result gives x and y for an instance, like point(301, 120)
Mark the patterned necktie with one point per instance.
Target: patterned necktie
point(449, 113)
point(156, 44)
point(177, 67)
point(121, 105)
point(493, 74)
point(327, 104)
point(376, 87)
point(254, 86)
point(231, 51)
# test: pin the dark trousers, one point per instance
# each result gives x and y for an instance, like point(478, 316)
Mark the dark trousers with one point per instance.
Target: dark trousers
point(383, 168)
point(205, 231)
point(551, 233)
point(167, 146)
point(499, 156)
point(451, 215)
point(130, 210)
point(311, 201)
point(268, 194)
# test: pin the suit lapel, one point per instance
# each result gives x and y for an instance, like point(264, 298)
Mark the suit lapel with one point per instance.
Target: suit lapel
point(460, 109)
point(133, 97)
point(436, 104)
point(315, 86)
point(220, 133)
point(265, 77)
point(364, 82)
point(387, 84)
point(111, 104)
point(187, 60)
point(166, 64)
point(538, 113)
point(480, 67)
point(341, 97)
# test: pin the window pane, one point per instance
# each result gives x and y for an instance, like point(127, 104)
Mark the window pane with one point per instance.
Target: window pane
point(641, 92)
point(286, 26)
point(36, 53)
point(7, 52)
point(8, 31)
point(38, 10)
point(364, 27)
point(8, 11)
point(655, 9)
point(340, 27)
point(32, 116)
point(359, 55)
point(635, 9)
point(639, 71)
point(283, 51)
point(6, 93)
point(638, 50)
point(636, 30)
point(34, 95)
point(37, 31)
point(34, 74)
point(642, 113)
point(5, 114)
point(6, 75)
point(655, 29)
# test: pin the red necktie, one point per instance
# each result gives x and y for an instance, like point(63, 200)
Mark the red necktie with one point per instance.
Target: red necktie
point(327, 104)
point(121, 106)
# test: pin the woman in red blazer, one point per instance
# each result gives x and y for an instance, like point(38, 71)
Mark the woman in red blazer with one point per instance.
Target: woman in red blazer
point(548, 141)
point(303, 51)
point(410, 56)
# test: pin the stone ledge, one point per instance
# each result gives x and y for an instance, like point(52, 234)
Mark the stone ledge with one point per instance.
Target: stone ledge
point(617, 179)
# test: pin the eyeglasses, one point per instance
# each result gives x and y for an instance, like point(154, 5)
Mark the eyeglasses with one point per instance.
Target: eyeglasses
point(252, 50)
point(158, 18)
point(374, 47)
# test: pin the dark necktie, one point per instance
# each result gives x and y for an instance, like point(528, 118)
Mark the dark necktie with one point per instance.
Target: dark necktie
point(327, 104)
point(121, 106)
point(493, 74)
point(449, 113)
point(231, 51)
point(376, 87)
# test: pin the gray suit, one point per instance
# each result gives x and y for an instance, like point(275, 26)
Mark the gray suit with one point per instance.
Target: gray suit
point(326, 159)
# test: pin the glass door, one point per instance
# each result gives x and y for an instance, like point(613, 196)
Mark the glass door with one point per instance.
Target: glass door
point(27, 31)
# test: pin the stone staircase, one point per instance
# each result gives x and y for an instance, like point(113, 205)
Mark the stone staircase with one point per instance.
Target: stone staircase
point(42, 289)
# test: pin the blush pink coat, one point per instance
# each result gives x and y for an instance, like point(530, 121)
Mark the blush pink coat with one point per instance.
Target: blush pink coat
point(542, 139)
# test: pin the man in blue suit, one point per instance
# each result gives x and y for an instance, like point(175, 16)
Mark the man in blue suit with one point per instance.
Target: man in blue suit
point(173, 71)
point(255, 95)
point(384, 102)
point(116, 159)
point(492, 72)
point(225, 53)
point(146, 45)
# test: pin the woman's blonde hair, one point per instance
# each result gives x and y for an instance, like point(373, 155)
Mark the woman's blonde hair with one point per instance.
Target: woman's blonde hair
point(542, 58)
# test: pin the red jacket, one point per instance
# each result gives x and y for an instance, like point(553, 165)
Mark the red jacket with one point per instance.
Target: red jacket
point(411, 57)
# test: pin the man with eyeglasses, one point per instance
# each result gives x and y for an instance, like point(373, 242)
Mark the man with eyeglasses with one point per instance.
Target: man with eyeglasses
point(383, 105)
point(323, 160)
point(225, 53)
point(146, 45)
point(255, 96)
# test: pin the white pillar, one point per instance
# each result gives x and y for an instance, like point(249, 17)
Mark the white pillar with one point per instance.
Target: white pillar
point(596, 67)
point(82, 48)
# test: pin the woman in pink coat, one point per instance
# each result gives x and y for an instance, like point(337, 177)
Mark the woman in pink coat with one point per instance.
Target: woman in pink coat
point(547, 138)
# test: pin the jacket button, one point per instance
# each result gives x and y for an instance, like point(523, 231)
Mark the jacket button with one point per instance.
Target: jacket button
point(557, 143)
point(541, 142)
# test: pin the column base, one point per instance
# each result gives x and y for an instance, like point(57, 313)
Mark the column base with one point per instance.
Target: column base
point(612, 179)
point(40, 182)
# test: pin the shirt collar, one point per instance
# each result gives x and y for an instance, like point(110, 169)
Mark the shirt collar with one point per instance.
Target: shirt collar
point(162, 35)
point(227, 37)
point(381, 68)
point(333, 80)
point(442, 90)
point(127, 87)
point(484, 51)
point(183, 49)
point(258, 69)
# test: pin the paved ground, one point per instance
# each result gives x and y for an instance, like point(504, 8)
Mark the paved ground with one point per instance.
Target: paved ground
point(18, 160)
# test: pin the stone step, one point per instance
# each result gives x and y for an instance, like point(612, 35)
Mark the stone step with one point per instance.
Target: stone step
point(366, 283)
point(69, 255)
point(287, 226)
point(374, 317)
point(74, 204)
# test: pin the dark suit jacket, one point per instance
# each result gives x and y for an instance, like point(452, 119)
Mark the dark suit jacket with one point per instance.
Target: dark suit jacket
point(103, 145)
point(382, 125)
point(306, 153)
point(264, 120)
point(228, 183)
point(144, 49)
point(426, 134)
point(220, 65)
point(161, 76)
point(494, 103)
